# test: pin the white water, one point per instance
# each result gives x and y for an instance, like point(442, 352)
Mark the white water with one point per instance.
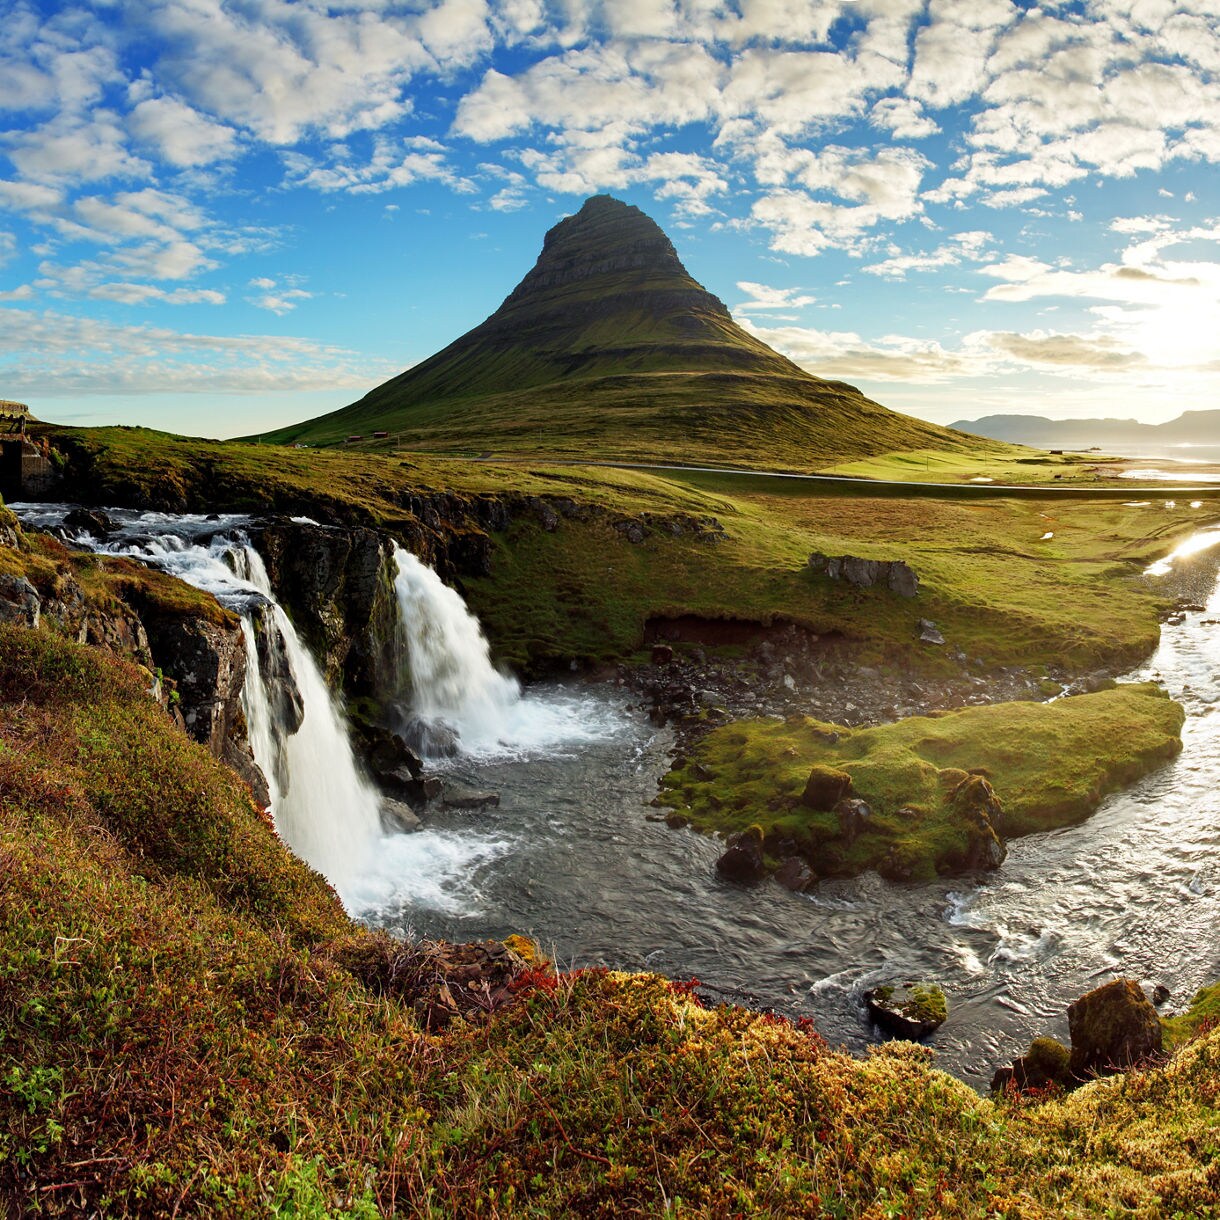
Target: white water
point(449, 680)
point(322, 806)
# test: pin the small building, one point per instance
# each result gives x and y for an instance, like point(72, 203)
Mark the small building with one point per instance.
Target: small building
point(25, 464)
point(354, 437)
point(380, 436)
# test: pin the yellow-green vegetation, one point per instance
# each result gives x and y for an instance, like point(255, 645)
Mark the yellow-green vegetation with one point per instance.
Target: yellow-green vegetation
point(181, 1033)
point(102, 583)
point(1017, 465)
point(1049, 764)
point(999, 590)
point(1202, 1015)
point(608, 349)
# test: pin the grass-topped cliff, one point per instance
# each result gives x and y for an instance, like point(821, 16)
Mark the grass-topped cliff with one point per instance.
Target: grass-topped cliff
point(608, 349)
point(1010, 582)
point(189, 1025)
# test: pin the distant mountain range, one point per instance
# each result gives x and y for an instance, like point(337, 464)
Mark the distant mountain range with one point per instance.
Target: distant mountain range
point(1190, 428)
point(608, 348)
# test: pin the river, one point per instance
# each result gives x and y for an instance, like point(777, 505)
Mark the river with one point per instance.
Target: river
point(572, 858)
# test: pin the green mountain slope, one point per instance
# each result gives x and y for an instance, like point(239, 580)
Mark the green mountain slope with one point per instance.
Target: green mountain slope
point(609, 349)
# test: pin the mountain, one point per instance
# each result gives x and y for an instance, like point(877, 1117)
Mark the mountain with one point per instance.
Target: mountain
point(1189, 428)
point(609, 349)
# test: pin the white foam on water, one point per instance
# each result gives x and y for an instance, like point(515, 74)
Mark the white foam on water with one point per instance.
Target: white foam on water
point(449, 678)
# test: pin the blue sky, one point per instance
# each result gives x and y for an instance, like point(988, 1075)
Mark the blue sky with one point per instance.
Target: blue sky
point(223, 215)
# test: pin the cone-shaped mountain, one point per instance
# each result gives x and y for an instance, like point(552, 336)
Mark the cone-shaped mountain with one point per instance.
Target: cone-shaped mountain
point(609, 349)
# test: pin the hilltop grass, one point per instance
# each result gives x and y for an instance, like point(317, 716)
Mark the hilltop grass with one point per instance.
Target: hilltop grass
point(1050, 765)
point(180, 1034)
point(1001, 592)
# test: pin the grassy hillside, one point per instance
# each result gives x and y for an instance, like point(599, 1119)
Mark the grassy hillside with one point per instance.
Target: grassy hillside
point(189, 1025)
point(1001, 590)
point(609, 349)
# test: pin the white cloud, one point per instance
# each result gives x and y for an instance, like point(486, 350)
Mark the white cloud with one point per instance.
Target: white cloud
point(763, 297)
point(278, 298)
point(78, 355)
point(180, 134)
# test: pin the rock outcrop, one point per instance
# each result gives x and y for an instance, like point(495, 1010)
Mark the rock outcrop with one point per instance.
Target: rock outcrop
point(1113, 1028)
point(892, 574)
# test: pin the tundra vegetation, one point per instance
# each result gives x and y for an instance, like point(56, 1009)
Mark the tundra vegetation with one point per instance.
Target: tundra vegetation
point(188, 1025)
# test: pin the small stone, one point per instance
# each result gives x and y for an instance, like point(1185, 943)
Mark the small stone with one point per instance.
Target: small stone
point(662, 654)
point(909, 1010)
point(1160, 994)
point(929, 633)
point(743, 860)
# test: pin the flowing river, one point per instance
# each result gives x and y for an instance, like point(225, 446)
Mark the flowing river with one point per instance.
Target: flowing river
point(571, 857)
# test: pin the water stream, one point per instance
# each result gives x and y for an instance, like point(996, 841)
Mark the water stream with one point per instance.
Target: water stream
point(570, 856)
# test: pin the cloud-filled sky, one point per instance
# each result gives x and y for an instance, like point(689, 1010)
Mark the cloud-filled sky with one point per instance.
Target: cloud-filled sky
point(222, 215)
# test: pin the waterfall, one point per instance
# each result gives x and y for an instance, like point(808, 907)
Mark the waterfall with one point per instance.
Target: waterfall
point(453, 685)
point(452, 698)
point(323, 808)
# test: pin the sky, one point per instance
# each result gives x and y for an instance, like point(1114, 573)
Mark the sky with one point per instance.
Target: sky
point(220, 216)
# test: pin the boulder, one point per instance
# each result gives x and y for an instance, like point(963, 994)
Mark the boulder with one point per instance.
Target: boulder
point(976, 807)
point(430, 738)
point(1043, 1066)
point(91, 521)
point(853, 815)
point(743, 860)
point(398, 817)
point(907, 1010)
point(19, 601)
point(795, 875)
point(825, 787)
point(468, 798)
point(662, 654)
point(892, 574)
point(1113, 1028)
point(929, 633)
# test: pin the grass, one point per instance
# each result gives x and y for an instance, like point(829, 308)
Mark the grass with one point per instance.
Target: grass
point(1050, 765)
point(189, 1025)
point(1001, 592)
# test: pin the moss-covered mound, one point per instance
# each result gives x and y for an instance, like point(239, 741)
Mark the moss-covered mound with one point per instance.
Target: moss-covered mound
point(941, 792)
point(190, 1025)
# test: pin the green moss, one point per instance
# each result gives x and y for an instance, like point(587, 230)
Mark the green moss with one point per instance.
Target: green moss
point(1049, 765)
point(179, 1030)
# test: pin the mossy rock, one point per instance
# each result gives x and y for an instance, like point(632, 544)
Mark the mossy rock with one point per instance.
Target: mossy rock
point(1043, 1066)
point(909, 1010)
point(825, 787)
point(1113, 1028)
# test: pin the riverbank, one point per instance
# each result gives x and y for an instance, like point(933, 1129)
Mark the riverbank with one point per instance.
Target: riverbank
point(190, 1023)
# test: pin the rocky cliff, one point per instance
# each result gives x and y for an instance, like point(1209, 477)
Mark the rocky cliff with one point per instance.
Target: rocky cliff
point(190, 646)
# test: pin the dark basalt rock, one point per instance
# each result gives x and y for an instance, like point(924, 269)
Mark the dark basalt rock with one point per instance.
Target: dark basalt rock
point(430, 738)
point(1113, 1028)
point(468, 798)
point(398, 817)
point(743, 860)
point(908, 1010)
point(795, 875)
point(853, 815)
point(91, 520)
point(976, 807)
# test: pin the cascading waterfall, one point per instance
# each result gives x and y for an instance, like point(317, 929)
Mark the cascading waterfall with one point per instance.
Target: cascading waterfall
point(453, 697)
point(324, 810)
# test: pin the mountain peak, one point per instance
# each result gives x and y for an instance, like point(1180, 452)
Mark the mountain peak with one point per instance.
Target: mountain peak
point(608, 348)
point(612, 241)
